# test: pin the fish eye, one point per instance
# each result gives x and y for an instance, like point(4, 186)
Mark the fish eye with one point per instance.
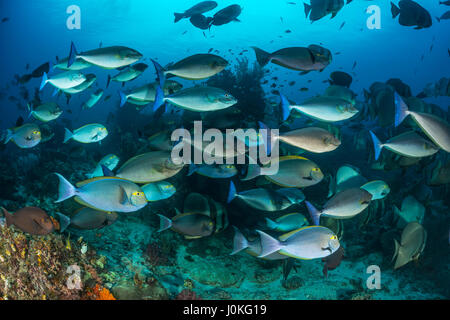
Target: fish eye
point(333, 237)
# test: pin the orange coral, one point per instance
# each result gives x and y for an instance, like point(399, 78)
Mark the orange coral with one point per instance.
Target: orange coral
point(100, 293)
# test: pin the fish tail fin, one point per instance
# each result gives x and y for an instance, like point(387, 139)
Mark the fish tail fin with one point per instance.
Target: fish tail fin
point(108, 81)
point(231, 192)
point(159, 98)
point(262, 56)
point(271, 224)
point(178, 16)
point(9, 135)
point(253, 171)
point(160, 73)
point(65, 190)
point(67, 135)
point(268, 244)
point(164, 223)
point(396, 249)
point(192, 169)
point(44, 81)
point(307, 9)
point(72, 55)
point(401, 110)
point(239, 241)
point(8, 217)
point(123, 98)
point(64, 222)
point(394, 10)
point(377, 145)
point(314, 213)
point(267, 137)
point(285, 107)
point(107, 172)
point(30, 109)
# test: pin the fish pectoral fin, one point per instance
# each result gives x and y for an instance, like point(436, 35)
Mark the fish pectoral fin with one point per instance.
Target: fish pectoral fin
point(123, 198)
point(308, 178)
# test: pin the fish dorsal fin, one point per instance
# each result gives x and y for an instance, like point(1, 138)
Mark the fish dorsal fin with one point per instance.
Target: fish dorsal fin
point(182, 215)
point(195, 202)
point(292, 158)
point(285, 216)
point(123, 196)
point(396, 249)
point(85, 182)
point(286, 236)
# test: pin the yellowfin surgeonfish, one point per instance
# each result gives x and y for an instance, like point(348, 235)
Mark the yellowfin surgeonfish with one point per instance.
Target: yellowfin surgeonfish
point(435, 128)
point(104, 193)
point(87, 134)
point(159, 190)
point(195, 67)
point(45, 112)
point(107, 57)
point(64, 80)
point(311, 242)
point(343, 205)
point(293, 172)
point(110, 161)
point(25, 136)
point(145, 94)
point(328, 109)
point(149, 167)
point(93, 99)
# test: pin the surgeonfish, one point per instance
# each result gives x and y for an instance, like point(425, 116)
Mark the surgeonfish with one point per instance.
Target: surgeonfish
point(252, 247)
point(63, 80)
point(110, 161)
point(197, 99)
point(293, 172)
point(145, 94)
point(311, 242)
point(110, 194)
point(128, 74)
point(93, 99)
point(149, 167)
point(312, 139)
point(411, 210)
point(190, 225)
point(45, 112)
point(199, 8)
point(266, 199)
point(408, 144)
point(87, 219)
point(343, 205)
point(105, 57)
point(322, 108)
point(89, 133)
point(435, 128)
point(159, 190)
point(287, 222)
point(412, 244)
point(25, 136)
point(195, 67)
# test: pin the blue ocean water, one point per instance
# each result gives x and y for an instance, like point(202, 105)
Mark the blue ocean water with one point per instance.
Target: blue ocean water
point(36, 32)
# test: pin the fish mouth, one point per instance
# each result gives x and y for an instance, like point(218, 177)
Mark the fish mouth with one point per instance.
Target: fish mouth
point(328, 248)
